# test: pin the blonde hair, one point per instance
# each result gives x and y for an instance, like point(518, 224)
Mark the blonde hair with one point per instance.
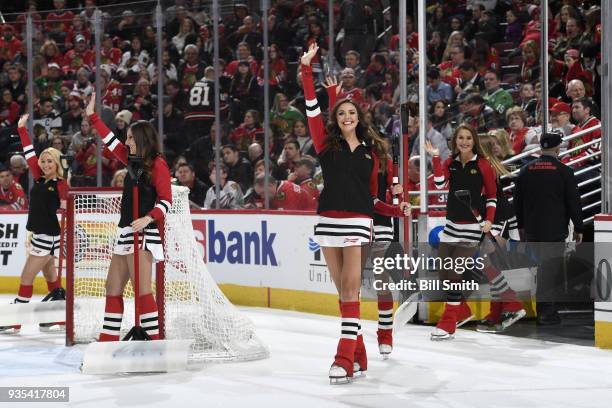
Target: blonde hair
point(56, 157)
point(504, 141)
point(118, 173)
point(487, 149)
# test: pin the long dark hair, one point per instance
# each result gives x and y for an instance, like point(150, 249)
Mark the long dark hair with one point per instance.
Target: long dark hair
point(364, 133)
point(147, 144)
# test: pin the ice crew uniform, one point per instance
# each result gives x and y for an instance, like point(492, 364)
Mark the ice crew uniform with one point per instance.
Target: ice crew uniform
point(546, 198)
point(479, 178)
point(349, 197)
point(154, 198)
point(45, 197)
point(505, 218)
point(383, 225)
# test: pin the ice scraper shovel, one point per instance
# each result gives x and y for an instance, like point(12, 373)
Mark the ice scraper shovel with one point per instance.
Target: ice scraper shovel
point(137, 352)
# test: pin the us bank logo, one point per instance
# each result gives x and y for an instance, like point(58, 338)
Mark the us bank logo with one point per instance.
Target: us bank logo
point(315, 249)
point(317, 268)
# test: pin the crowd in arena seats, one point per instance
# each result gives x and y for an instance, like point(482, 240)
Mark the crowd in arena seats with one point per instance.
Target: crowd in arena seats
point(483, 69)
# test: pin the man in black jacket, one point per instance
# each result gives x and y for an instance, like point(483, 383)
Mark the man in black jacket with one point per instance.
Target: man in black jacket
point(545, 199)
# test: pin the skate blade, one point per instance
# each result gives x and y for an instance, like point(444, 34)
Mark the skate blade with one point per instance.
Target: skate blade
point(442, 337)
point(486, 329)
point(385, 356)
point(339, 380)
point(359, 374)
point(519, 315)
point(464, 321)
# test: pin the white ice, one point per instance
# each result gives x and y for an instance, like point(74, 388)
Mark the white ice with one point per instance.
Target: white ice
point(474, 370)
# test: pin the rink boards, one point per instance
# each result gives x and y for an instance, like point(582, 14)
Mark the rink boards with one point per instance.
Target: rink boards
point(603, 258)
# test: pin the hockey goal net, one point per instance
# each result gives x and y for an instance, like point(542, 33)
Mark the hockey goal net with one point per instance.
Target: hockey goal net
point(191, 305)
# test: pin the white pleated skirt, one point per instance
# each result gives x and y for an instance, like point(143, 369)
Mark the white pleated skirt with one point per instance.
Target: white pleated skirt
point(343, 232)
point(149, 240)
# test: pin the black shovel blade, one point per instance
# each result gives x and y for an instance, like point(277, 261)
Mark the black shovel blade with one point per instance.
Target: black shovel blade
point(465, 197)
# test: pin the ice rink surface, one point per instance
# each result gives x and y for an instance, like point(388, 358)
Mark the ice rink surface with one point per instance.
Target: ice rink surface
point(474, 370)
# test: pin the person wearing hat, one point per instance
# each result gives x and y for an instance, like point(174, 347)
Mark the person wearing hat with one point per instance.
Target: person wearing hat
point(122, 120)
point(546, 198)
point(560, 115)
point(79, 56)
point(71, 120)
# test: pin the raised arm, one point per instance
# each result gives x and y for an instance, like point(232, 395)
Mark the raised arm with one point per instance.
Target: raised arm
point(313, 111)
point(28, 149)
point(440, 170)
point(113, 144)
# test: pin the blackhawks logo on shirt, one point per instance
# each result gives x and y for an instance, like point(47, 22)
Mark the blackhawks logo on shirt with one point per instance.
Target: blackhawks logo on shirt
point(280, 196)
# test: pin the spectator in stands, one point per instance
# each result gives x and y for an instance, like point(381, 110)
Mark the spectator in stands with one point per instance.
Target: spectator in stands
point(349, 88)
point(109, 54)
point(477, 114)
point(471, 80)
point(79, 57)
point(440, 119)
point(375, 73)
point(514, 29)
point(303, 174)
point(560, 115)
point(528, 101)
point(285, 195)
point(248, 131)
point(243, 53)
point(169, 69)
point(284, 115)
point(128, 27)
point(186, 28)
point(456, 39)
point(239, 168)
point(122, 122)
point(247, 33)
point(352, 60)
point(230, 195)
point(82, 84)
point(50, 81)
point(16, 84)
point(435, 48)
point(58, 143)
point(51, 53)
point(449, 70)
point(582, 112)
point(88, 11)
point(9, 111)
point(80, 138)
point(12, 195)
point(575, 90)
point(177, 96)
point(291, 154)
point(520, 134)
point(495, 96)
point(573, 38)
point(10, 45)
point(78, 28)
point(119, 178)
point(46, 123)
point(436, 89)
point(19, 170)
point(59, 21)
point(244, 93)
point(500, 144)
point(279, 31)
point(191, 69)
point(472, 24)
point(185, 174)
point(71, 120)
point(300, 133)
point(255, 153)
point(142, 104)
point(134, 60)
point(278, 69)
point(432, 136)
